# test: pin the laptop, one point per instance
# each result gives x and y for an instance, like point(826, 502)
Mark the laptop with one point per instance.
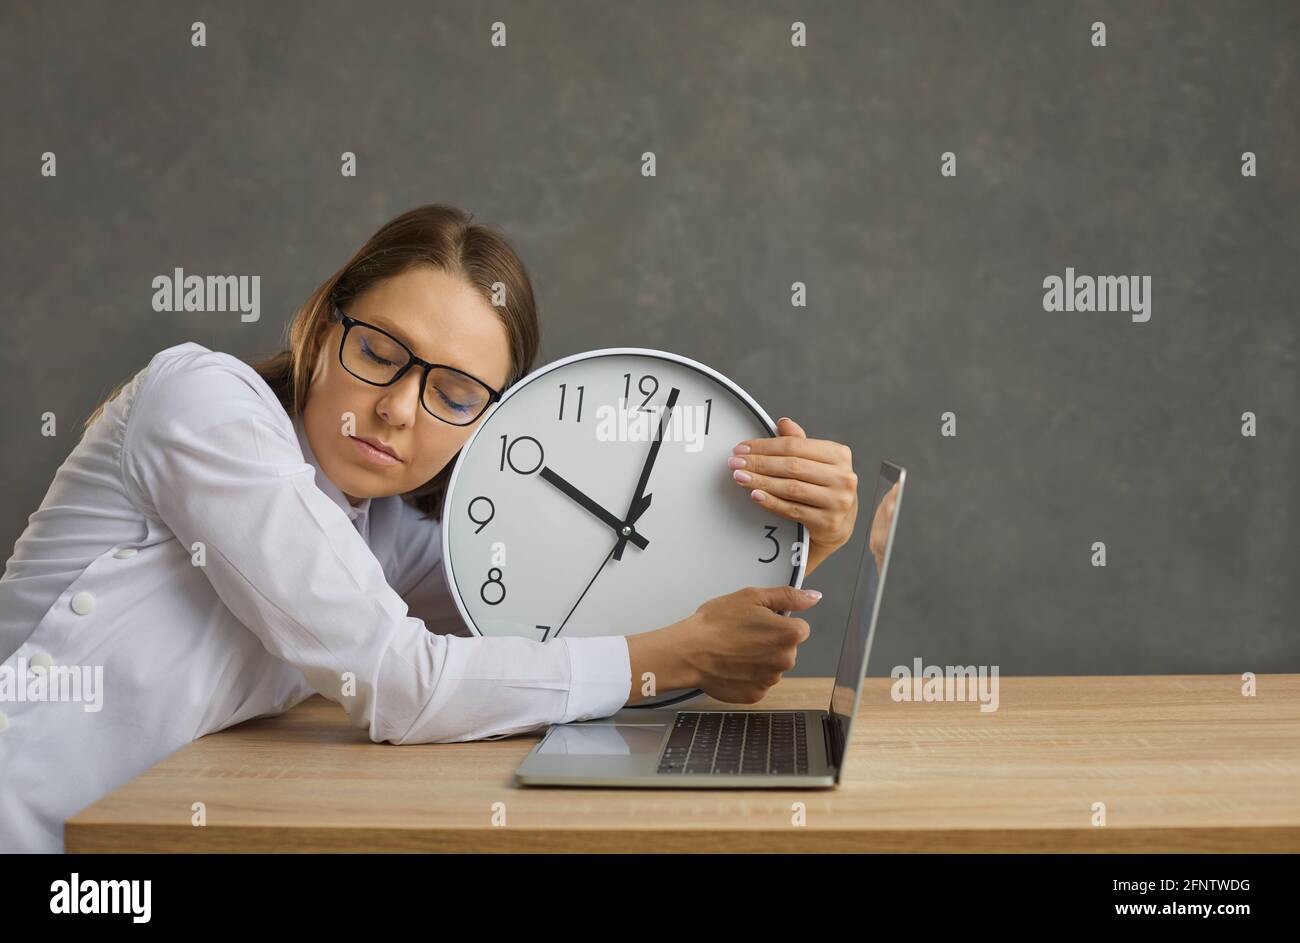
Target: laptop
point(678, 748)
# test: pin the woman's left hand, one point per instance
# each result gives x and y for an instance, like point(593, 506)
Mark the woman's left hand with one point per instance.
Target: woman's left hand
point(806, 480)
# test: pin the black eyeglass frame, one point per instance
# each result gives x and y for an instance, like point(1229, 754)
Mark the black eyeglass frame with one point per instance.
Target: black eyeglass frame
point(350, 322)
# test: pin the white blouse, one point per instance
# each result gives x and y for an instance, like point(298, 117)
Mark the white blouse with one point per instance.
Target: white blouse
point(191, 554)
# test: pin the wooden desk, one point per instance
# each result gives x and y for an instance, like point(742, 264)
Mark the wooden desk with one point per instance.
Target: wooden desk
point(1182, 764)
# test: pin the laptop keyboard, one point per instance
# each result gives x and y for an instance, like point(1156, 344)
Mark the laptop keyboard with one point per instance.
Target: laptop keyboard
point(741, 742)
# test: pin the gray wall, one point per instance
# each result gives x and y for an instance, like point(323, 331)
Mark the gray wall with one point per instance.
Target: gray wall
point(775, 165)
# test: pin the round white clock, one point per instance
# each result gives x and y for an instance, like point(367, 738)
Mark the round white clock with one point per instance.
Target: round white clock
point(594, 498)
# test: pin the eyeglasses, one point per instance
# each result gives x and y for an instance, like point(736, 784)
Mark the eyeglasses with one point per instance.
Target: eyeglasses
point(376, 357)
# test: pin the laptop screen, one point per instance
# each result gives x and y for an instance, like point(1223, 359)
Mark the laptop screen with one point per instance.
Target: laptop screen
point(881, 522)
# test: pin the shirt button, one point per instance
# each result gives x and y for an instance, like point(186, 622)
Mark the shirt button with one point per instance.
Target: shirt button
point(126, 553)
point(41, 660)
point(82, 603)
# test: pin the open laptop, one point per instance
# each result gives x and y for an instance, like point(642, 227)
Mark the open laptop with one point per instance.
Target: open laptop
point(752, 749)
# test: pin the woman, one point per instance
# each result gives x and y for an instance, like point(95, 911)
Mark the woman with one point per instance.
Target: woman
point(226, 541)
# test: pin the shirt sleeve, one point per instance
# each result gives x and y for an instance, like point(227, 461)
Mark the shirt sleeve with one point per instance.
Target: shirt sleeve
point(209, 452)
point(423, 584)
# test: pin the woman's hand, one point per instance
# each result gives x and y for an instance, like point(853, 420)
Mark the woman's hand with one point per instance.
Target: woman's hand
point(806, 480)
point(735, 646)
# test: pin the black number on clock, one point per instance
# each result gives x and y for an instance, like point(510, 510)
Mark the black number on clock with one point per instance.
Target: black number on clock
point(492, 581)
point(492, 512)
point(580, 392)
point(776, 544)
point(507, 455)
point(546, 631)
point(708, 414)
point(627, 388)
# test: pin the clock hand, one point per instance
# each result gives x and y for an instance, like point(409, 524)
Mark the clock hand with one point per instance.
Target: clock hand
point(618, 526)
point(582, 597)
point(645, 469)
point(640, 509)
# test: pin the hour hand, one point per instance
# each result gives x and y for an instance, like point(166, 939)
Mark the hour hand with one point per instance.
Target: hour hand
point(618, 526)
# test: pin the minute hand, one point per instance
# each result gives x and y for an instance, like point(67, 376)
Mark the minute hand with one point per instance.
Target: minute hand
point(645, 469)
point(594, 508)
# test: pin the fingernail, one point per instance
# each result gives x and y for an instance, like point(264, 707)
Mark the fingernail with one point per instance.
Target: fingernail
point(758, 495)
point(735, 462)
point(740, 476)
point(741, 449)
point(814, 593)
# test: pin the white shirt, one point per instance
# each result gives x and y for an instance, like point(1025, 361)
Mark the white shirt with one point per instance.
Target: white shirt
point(298, 593)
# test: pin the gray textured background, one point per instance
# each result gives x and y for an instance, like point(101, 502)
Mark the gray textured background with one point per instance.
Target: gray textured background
point(775, 164)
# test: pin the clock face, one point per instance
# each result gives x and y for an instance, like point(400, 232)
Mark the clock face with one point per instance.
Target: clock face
point(564, 519)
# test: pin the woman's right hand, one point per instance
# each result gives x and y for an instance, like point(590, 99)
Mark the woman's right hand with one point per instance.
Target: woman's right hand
point(734, 647)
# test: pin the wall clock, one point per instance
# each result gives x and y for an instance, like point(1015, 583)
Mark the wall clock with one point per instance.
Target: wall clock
point(594, 498)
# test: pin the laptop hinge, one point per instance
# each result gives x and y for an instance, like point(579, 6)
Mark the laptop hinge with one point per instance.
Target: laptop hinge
point(827, 720)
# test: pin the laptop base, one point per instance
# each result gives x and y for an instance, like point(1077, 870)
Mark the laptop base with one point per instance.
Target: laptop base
point(624, 750)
